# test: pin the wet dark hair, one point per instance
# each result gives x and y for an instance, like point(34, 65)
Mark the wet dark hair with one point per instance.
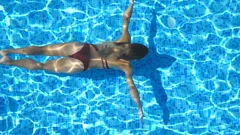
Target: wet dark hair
point(135, 51)
point(126, 51)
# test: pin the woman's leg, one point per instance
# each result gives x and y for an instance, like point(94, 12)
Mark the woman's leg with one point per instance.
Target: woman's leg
point(62, 65)
point(126, 37)
point(64, 49)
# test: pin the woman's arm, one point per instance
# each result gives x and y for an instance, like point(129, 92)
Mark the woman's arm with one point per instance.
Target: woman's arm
point(126, 67)
point(126, 37)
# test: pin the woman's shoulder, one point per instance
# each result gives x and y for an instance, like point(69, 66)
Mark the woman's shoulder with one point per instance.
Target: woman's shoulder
point(121, 62)
point(123, 65)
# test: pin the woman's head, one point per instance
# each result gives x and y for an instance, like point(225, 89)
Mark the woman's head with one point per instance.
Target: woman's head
point(134, 51)
point(125, 51)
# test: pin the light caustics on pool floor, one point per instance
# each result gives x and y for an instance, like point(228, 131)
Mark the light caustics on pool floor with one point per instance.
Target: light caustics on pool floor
point(202, 85)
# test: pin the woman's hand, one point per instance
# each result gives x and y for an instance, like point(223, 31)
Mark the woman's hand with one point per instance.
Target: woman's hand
point(126, 67)
point(140, 113)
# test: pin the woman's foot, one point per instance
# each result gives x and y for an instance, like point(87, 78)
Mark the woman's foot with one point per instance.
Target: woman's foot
point(4, 59)
point(3, 53)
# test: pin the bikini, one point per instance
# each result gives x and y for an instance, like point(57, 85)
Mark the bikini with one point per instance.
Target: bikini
point(84, 56)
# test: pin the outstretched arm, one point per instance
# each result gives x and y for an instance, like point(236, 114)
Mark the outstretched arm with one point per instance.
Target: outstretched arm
point(132, 88)
point(126, 37)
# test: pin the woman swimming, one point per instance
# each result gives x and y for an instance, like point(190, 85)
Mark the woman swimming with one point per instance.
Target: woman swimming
point(83, 56)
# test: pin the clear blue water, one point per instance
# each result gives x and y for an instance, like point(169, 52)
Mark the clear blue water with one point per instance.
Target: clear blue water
point(188, 84)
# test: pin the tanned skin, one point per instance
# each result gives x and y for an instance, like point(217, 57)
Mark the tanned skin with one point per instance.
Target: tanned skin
point(71, 65)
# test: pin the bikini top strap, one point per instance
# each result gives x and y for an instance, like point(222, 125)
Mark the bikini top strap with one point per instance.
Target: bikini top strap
point(104, 61)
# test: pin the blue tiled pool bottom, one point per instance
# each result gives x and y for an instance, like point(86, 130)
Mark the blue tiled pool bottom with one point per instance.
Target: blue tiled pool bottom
point(191, 77)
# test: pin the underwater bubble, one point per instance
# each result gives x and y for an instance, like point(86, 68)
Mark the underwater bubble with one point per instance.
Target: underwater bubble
point(171, 22)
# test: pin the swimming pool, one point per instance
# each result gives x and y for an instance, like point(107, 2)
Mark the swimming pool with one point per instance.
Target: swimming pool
point(193, 66)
